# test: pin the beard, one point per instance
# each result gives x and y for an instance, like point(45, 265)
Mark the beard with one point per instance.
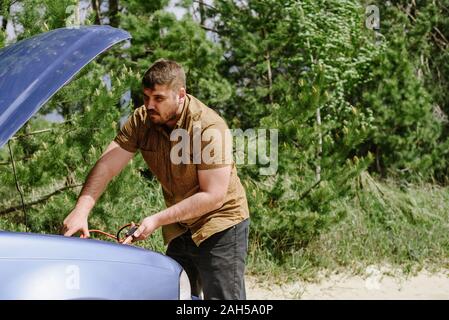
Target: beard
point(161, 119)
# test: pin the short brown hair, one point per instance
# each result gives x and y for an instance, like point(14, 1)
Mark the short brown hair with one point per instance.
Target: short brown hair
point(165, 72)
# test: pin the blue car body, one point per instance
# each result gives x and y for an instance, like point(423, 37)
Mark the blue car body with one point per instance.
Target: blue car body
point(35, 266)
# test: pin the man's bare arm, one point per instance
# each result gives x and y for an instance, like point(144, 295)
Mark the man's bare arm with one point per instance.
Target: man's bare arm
point(213, 188)
point(111, 162)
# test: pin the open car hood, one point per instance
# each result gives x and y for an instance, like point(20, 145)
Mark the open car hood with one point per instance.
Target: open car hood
point(33, 70)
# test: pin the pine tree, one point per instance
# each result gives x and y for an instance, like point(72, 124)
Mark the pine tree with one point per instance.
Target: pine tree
point(297, 67)
point(409, 141)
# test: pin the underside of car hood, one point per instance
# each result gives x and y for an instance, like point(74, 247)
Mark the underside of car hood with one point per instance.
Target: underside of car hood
point(33, 70)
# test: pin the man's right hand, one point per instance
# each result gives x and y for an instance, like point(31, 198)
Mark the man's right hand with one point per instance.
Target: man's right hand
point(76, 221)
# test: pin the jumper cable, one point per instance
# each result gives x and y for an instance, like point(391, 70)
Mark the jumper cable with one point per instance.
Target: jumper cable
point(129, 233)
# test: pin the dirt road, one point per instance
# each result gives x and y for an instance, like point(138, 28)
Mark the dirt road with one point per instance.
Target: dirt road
point(374, 284)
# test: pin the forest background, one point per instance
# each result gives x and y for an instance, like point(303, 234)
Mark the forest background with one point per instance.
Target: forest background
point(356, 90)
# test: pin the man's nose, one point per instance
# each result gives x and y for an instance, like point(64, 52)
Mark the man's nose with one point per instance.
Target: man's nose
point(151, 106)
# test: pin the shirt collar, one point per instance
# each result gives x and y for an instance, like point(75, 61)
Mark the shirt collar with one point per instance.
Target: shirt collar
point(182, 118)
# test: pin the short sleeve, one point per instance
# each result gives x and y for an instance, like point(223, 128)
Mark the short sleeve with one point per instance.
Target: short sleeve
point(216, 146)
point(127, 136)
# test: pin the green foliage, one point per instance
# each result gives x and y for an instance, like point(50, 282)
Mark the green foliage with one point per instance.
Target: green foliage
point(297, 58)
point(39, 16)
point(2, 38)
point(159, 34)
point(138, 7)
point(410, 139)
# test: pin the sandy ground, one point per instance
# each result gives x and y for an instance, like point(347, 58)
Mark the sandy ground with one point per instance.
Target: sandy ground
point(376, 283)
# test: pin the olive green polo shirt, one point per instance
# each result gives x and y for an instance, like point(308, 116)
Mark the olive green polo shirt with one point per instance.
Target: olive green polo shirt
point(177, 170)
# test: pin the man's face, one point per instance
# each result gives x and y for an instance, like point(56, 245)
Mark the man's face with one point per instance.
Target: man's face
point(163, 103)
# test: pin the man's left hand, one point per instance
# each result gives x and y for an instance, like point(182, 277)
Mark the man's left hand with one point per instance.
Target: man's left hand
point(146, 228)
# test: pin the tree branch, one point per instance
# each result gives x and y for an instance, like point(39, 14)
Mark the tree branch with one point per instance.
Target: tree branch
point(32, 133)
point(209, 29)
point(43, 199)
point(5, 163)
point(304, 194)
point(202, 3)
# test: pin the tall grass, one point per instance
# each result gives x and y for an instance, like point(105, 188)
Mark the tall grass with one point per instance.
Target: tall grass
point(405, 226)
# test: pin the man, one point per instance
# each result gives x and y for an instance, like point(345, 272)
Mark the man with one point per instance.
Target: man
point(206, 220)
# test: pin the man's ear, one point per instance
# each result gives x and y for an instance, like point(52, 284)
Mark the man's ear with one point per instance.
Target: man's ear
point(182, 95)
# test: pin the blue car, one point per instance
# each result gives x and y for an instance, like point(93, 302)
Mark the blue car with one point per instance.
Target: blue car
point(35, 266)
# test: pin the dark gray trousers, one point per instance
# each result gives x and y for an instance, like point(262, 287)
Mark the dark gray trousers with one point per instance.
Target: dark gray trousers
point(217, 267)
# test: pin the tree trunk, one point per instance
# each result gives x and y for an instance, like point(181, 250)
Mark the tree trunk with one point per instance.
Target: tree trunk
point(96, 8)
point(114, 18)
point(202, 12)
point(4, 23)
point(320, 145)
point(5, 13)
point(269, 71)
